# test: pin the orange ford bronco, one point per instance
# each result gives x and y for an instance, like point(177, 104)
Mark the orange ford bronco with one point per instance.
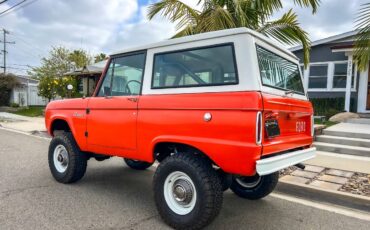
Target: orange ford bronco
point(218, 110)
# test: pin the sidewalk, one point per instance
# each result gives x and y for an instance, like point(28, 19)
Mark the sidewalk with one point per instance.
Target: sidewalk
point(22, 123)
point(342, 163)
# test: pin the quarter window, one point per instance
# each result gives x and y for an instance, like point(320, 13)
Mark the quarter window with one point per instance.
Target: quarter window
point(124, 76)
point(196, 67)
point(277, 72)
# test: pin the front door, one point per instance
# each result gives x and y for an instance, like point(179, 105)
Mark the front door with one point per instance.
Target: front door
point(111, 123)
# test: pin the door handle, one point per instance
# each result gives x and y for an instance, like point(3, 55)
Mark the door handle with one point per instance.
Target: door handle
point(133, 99)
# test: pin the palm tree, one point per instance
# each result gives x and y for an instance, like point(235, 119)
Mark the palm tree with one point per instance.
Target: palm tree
point(225, 14)
point(362, 39)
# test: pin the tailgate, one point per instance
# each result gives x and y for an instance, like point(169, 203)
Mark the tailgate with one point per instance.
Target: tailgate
point(293, 118)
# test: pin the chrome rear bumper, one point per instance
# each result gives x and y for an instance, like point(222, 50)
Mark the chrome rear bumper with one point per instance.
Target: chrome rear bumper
point(274, 164)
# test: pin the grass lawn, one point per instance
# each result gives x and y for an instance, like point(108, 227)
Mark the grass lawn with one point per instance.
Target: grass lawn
point(326, 123)
point(32, 111)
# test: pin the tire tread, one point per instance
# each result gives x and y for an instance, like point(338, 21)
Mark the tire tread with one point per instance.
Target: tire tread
point(212, 188)
point(77, 159)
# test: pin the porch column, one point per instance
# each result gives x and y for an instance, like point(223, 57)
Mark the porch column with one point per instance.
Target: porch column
point(348, 84)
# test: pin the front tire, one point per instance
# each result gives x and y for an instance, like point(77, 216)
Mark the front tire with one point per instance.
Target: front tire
point(187, 191)
point(254, 187)
point(66, 162)
point(138, 165)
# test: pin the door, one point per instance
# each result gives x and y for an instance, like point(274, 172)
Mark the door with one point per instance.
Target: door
point(111, 123)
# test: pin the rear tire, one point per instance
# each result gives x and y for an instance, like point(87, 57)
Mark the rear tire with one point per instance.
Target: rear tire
point(138, 165)
point(254, 187)
point(67, 162)
point(187, 191)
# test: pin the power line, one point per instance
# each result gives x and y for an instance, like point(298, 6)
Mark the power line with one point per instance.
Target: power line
point(12, 7)
point(17, 68)
point(22, 6)
point(28, 66)
point(29, 44)
point(3, 1)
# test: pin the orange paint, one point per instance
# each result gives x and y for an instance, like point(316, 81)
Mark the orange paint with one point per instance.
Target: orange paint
point(120, 126)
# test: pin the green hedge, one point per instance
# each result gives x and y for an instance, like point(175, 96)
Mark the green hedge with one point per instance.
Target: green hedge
point(330, 106)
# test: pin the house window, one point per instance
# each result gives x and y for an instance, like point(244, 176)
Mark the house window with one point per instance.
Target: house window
point(340, 75)
point(318, 78)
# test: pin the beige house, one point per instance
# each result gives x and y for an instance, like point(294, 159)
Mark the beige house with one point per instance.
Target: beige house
point(89, 76)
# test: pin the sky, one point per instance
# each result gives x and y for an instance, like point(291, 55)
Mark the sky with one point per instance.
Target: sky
point(107, 26)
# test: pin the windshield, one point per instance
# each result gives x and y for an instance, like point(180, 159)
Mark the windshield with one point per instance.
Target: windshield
point(277, 72)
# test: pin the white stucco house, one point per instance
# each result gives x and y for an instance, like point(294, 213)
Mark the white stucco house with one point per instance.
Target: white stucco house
point(26, 94)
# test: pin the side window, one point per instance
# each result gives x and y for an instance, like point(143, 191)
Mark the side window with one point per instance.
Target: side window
point(124, 76)
point(204, 66)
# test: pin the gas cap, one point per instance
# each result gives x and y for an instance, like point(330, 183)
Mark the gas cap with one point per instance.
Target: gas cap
point(207, 117)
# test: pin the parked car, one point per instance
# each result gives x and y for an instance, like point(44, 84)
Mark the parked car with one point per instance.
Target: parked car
point(218, 110)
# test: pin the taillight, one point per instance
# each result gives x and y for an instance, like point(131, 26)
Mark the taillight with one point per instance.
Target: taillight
point(259, 128)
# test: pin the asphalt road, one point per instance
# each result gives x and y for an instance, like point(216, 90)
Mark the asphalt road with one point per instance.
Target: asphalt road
point(112, 196)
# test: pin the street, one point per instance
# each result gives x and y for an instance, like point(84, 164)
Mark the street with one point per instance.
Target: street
point(112, 196)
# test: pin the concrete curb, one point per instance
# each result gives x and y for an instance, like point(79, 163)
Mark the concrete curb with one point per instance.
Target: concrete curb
point(324, 195)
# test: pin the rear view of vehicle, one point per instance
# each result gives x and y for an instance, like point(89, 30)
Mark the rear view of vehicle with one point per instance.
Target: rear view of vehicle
point(284, 128)
point(287, 112)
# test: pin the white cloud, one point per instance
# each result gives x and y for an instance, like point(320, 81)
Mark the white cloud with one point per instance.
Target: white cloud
point(332, 17)
point(107, 26)
point(141, 32)
point(94, 25)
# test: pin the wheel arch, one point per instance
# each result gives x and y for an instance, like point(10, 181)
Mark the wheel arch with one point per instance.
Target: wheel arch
point(59, 124)
point(165, 148)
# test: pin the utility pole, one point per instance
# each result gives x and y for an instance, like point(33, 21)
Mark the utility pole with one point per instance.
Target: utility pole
point(5, 32)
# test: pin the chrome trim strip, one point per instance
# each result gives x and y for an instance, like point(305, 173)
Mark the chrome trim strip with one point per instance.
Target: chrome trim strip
point(274, 164)
point(259, 128)
point(312, 126)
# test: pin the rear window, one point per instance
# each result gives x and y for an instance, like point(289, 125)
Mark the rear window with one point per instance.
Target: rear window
point(277, 72)
point(206, 66)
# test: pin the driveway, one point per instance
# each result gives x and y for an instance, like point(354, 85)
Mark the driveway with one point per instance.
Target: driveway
point(112, 196)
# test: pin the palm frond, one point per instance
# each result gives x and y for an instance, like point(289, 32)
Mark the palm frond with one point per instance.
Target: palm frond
point(314, 4)
point(362, 38)
point(186, 31)
point(243, 14)
point(175, 11)
point(287, 30)
point(215, 18)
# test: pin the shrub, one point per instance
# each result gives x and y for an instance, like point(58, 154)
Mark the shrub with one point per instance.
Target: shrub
point(330, 106)
point(7, 83)
point(14, 105)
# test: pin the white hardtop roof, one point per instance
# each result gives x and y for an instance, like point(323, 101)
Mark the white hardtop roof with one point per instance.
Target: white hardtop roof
point(209, 35)
point(327, 40)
